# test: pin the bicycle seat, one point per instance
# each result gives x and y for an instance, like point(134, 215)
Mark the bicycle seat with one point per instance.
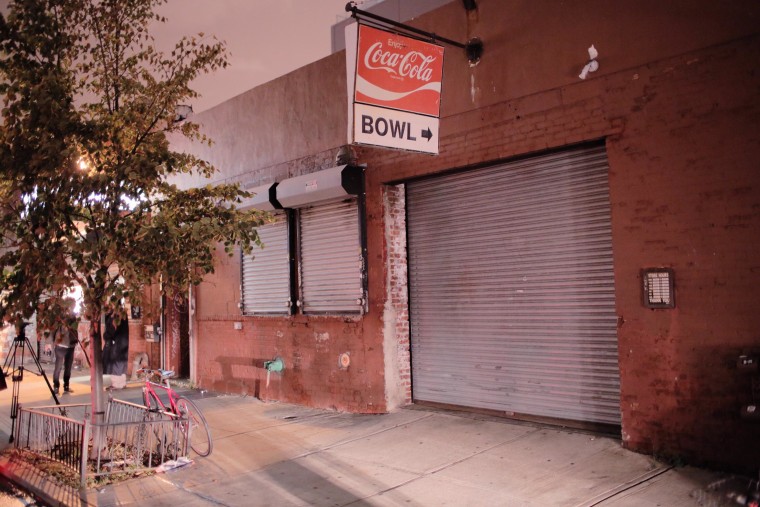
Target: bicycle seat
point(165, 374)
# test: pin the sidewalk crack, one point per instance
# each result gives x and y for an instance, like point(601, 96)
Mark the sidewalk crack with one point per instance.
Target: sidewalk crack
point(636, 481)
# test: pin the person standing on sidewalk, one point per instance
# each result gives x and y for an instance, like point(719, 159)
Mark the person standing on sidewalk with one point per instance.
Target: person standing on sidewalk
point(65, 338)
point(116, 350)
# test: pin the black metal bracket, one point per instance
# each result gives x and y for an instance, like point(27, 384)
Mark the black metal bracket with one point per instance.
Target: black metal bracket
point(473, 48)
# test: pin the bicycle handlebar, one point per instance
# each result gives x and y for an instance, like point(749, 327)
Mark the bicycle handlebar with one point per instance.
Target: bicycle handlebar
point(163, 374)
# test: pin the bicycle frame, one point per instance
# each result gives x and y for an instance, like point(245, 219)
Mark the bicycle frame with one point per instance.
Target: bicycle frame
point(150, 391)
point(196, 428)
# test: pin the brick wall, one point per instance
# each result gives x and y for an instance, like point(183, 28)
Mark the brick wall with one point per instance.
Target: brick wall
point(685, 194)
point(398, 375)
point(232, 360)
point(310, 348)
point(676, 103)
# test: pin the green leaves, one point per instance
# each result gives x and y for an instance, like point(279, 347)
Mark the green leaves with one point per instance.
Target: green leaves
point(88, 103)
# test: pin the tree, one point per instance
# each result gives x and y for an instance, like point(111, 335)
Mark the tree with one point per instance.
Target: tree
point(85, 163)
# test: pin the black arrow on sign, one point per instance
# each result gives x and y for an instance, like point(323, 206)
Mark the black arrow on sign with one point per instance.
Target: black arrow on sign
point(427, 134)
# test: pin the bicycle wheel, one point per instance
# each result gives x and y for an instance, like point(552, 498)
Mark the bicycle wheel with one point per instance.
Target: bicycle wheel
point(198, 432)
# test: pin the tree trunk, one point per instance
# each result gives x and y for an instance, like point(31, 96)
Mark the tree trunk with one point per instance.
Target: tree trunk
point(97, 395)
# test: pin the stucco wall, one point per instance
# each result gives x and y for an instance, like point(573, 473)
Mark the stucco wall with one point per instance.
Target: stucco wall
point(258, 134)
point(675, 101)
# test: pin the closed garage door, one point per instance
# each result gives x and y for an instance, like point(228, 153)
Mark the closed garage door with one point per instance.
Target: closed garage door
point(511, 286)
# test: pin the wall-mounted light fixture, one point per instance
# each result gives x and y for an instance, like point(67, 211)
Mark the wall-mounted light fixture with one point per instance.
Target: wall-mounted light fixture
point(592, 65)
point(345, 156)
point(182, 112)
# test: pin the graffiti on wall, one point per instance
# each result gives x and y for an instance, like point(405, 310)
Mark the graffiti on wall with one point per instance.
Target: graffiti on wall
point(175, 328)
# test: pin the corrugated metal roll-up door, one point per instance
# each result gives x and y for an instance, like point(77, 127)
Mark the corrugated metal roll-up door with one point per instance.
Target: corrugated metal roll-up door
point(512, 291)
point(331, 258)
point(266, 272)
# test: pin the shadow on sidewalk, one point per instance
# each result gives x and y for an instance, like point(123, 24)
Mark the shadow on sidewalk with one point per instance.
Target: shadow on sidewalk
point(311, 487)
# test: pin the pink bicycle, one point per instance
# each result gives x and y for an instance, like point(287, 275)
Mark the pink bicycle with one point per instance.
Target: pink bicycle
point(198, 434)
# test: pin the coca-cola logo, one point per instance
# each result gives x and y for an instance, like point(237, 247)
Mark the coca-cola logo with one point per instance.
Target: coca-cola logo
point(412, 64)
point(398, 72)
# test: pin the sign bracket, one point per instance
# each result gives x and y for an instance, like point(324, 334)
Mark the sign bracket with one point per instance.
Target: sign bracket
point(473, 47)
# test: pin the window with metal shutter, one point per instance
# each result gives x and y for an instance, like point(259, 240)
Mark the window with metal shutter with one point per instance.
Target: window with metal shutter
point(266, 272)
point(331, 258)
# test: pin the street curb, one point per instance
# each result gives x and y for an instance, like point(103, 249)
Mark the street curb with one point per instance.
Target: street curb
point(40, 485)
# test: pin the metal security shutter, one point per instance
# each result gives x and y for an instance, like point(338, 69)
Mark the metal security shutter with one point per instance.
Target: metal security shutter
point(512, 291)
point(331, 258)
point(266, 272)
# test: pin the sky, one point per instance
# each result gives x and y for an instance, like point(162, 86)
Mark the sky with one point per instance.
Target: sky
point(265, 38)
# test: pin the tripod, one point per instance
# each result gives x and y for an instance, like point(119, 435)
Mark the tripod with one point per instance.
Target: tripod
point(16, 372)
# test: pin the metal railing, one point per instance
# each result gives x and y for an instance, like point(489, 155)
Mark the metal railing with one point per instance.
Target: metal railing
point(134, 438)
point(45, 431)
point(131, 439)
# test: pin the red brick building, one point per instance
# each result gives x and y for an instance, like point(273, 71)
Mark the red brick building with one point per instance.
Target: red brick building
point(507, 274)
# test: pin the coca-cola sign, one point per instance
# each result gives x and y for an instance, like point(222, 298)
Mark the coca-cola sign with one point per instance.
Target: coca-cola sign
point(398, 72)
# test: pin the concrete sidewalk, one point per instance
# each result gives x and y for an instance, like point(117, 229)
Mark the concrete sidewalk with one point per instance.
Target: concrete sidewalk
point(286, 455)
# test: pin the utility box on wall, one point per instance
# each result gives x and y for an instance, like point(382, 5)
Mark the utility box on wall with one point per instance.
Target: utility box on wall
point(152, 334)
